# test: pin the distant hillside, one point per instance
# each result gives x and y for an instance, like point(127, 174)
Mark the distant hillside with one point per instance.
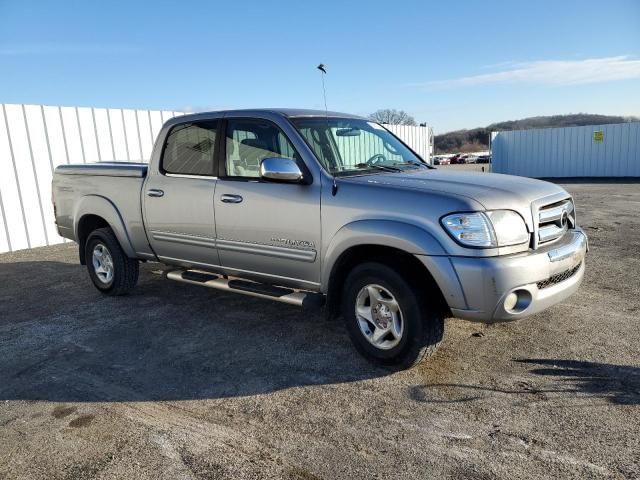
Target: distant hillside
point(477, 139)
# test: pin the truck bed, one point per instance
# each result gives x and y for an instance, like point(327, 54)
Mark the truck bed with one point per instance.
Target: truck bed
point(102, 188)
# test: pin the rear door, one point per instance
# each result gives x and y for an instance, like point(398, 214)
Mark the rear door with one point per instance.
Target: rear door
point(178, 196)
point(268, 229)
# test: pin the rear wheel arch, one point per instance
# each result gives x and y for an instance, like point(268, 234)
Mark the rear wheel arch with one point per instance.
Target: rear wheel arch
point(87, 224)
point(93, 212)
point(110, 269)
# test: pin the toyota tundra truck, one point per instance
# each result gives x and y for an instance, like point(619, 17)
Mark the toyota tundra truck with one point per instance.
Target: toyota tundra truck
point(325, 210)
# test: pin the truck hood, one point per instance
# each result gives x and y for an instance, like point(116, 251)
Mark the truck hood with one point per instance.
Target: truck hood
point(491, 190)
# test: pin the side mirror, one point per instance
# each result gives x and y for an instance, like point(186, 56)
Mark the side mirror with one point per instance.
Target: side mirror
point(277, 169)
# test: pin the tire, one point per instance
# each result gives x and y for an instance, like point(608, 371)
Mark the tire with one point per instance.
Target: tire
point(421, 325)
point(117, 274)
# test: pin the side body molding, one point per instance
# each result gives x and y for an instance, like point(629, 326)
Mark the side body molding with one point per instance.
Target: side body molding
point(389, 233)
point(103, 207)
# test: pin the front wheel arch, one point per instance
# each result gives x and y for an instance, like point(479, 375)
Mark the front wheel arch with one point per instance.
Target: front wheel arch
point(405, 262)
point(421, 323)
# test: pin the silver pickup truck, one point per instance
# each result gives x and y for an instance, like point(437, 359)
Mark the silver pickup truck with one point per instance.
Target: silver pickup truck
point(326, 209)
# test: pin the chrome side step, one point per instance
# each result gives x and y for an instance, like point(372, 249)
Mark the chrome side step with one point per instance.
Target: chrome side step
point(299, 298)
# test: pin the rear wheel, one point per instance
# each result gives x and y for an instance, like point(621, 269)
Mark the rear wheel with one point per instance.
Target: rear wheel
point(389, 320)
point(111, 271)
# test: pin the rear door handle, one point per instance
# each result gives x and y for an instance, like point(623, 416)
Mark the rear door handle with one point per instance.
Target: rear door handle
point(227, 198)
point(154, 192)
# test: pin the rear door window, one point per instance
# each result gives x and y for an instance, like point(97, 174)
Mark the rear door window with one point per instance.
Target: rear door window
point(190, 149)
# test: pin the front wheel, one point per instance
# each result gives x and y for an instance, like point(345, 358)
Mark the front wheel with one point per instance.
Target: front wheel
point(389, 321)
point(111, 271)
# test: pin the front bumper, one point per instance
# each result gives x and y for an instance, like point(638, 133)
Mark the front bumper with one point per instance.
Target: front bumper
point(541, 278)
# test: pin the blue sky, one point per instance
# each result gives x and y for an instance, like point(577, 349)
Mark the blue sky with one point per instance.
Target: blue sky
point(454, 64)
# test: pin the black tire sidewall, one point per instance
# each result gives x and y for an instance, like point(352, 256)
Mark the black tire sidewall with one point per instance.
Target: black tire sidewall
point(405, 295)
point(104, 238)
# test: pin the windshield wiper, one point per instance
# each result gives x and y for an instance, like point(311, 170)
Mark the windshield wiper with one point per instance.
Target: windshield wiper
point(384, 168)
point(410, 165)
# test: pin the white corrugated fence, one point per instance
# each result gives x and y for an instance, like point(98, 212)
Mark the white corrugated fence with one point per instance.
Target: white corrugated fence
point(34, 139)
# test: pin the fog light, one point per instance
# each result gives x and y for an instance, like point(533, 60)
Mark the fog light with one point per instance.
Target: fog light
point(511, 301)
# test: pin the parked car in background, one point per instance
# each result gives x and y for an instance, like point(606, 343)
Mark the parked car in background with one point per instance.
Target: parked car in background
point(484, 159)
point(441, 160)
point(458, 159)
point(470, 158)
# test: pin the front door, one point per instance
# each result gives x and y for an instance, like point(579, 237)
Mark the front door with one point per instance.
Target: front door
point(264, 228)
point(178, 198)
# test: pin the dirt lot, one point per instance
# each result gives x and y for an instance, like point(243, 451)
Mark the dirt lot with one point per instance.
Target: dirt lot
point(180, 382)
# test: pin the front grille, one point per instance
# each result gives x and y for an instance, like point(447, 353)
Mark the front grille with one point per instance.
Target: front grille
point(558, 277)
point(554, 220)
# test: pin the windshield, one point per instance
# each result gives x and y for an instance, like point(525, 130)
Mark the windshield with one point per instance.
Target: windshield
point(346, 146)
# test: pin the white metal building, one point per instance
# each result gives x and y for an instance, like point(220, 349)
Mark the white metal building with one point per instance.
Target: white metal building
point(420, 139)
point(591, 151)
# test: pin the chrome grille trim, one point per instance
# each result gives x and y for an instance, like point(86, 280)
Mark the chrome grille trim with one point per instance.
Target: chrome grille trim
point(554, 220)
point(550, 232)
point(555, 213)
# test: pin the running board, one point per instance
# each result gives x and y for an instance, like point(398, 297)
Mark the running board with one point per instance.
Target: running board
point(254, 289)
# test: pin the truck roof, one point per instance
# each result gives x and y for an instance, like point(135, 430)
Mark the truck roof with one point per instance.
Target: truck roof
point(285, 112)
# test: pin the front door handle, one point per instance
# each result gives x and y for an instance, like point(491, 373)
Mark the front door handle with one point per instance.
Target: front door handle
point(227, 198)
point(154, 192)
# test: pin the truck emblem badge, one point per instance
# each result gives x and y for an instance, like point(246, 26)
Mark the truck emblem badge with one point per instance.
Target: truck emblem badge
point(564, 219)
point(293, 243)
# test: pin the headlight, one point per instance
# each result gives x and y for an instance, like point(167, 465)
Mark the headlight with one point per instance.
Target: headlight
point(471, 229)
point(497, 228)
point(509, 227)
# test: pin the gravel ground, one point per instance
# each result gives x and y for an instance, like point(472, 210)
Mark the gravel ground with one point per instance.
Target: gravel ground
point(180, 382)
